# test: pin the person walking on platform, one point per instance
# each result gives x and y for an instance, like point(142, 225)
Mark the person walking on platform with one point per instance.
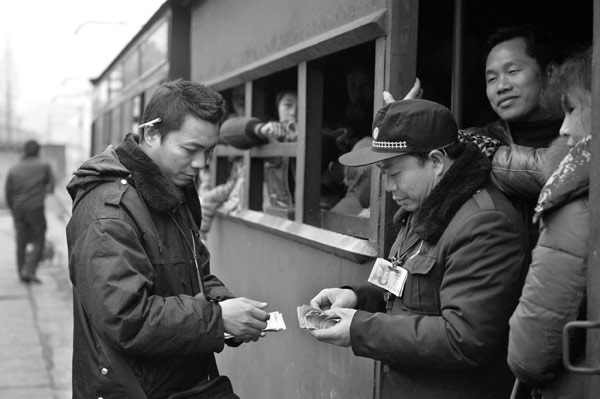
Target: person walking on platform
point(27, 184)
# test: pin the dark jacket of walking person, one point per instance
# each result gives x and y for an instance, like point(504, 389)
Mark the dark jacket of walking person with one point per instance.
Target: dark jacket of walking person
point(555, 288)
point(140, 274)
point(27, 184)
point(464, 251)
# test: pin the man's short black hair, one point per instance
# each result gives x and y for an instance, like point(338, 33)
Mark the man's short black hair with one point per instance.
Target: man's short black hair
point(539, 44)
point(173, 101)
point(31, 148)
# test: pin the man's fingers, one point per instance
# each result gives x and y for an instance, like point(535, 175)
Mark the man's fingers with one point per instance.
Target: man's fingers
point(387, 97)
point(256, 304)
point(317, 302)
point(318, 334)
point(415, 92)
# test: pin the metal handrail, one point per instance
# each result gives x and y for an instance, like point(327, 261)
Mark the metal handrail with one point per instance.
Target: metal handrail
point(567, 349)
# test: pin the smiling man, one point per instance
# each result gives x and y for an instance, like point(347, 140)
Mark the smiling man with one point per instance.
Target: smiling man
point(142, 290)
point(515, 78)
point(515, 74)
point(439, 324)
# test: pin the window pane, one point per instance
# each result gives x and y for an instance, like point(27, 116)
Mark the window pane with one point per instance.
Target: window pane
point(155, 48)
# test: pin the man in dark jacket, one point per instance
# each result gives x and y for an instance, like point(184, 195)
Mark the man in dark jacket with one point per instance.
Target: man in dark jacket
point(140, 274)
point(437, 318)
point(27, 184)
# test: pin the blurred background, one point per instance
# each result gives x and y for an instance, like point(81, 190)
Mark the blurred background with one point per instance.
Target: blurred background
point(49, 52)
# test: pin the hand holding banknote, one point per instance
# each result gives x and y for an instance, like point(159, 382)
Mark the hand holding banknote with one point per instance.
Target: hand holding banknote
point(275, 323)
point(331, 298)
point(334, 323)
point(312, 318)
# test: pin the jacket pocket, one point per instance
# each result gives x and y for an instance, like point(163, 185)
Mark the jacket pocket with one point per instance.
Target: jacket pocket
point(173, 276)
point(421, 292)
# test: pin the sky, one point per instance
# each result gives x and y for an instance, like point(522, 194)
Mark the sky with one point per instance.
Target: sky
point(55, 47)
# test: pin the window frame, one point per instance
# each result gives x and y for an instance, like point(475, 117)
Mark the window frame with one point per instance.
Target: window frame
point(307, 212)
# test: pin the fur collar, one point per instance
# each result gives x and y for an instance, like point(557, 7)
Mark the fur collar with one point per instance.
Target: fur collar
point(467, 175)
point(569, 180)
point(157, 191)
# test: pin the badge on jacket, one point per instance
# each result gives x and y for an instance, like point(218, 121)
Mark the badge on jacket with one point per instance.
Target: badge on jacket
point(388, 276)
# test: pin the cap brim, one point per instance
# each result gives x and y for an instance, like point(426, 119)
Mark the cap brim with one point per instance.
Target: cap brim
point(366, 156)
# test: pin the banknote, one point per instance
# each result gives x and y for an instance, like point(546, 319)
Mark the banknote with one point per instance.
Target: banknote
point(275, 323)
point(312, 318)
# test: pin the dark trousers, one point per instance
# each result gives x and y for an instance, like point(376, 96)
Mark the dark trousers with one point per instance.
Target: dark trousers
point(30, 226)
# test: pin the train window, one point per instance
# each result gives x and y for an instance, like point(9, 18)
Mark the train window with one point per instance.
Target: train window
point(155, 48)
point(348, 94)
point(335, 97)
point(131, 67)
point(106, 130)
point(453, 74)
point(115, 81)
point(101, 94)
point(136, 112)
point(115, 132)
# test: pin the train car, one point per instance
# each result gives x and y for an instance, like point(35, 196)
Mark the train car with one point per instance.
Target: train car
point(158, 52)
point(255, 49)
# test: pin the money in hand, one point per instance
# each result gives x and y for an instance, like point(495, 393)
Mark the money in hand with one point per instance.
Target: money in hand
point(312, 318)
point(275, 323)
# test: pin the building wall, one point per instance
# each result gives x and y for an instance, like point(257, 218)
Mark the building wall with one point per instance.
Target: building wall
point(260, 265)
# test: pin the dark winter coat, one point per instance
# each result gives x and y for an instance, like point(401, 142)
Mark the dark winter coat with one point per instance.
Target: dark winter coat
point(27, 184)
point(135, 283)
point(466, 254)
point(554, 291)
point(522, 186)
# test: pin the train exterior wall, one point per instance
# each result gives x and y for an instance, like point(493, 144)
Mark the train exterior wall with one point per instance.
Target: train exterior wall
point(290, 364)
point(227, 35)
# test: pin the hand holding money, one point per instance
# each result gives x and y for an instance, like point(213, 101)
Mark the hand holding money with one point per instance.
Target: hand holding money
point(330, 298)
point(275, 323)
point(312, 318)
point(339, 333)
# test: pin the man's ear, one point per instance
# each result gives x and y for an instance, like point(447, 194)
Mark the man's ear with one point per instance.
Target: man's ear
point(438, 160)
point(151, 136)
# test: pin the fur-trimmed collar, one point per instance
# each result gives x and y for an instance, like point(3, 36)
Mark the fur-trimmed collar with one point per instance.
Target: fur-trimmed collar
point(158, 192)
point(570, 179)
point(467, 175)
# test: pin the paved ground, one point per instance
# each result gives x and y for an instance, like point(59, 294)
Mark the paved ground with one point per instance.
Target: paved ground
point(36, 323)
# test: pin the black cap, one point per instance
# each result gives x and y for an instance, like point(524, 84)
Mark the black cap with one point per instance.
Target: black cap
point(403, 127)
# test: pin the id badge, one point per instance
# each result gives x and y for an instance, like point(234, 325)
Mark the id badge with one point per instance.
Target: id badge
point(389, 277)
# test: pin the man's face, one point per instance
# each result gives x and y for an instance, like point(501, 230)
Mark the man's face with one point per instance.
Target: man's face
point(409, 182)
point(185, 151)
point(578, 116)
point(513, 82)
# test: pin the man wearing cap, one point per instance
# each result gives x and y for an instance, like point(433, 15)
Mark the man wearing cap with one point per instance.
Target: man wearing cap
point(438, 322)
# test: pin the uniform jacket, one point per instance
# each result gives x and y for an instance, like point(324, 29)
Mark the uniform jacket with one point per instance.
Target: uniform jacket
point(466, 254)
point(27, 184)
point(131, 242)
point(554, 291)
